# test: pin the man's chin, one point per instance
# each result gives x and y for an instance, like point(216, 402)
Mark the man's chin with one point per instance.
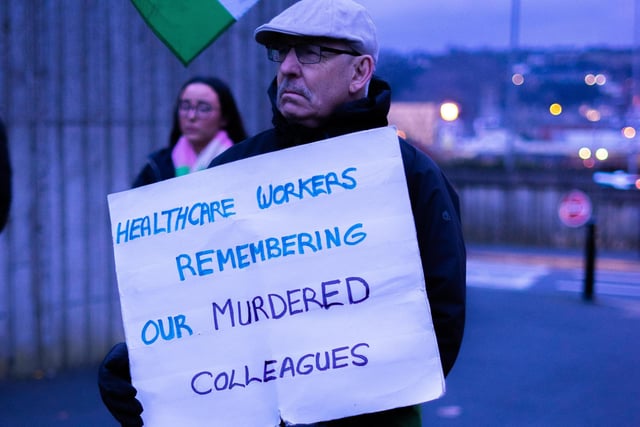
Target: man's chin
point(298, 118)
point(292, 112)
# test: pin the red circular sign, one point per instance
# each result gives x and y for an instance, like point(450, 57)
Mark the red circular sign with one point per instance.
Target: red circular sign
point(575, 209)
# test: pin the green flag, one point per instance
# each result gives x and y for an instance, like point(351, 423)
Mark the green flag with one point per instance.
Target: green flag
point(187, 27)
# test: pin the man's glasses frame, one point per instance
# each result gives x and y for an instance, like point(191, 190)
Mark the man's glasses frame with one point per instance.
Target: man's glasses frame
point(306, 53)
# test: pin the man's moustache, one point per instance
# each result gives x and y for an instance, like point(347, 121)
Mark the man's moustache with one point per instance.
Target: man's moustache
point(291, 88)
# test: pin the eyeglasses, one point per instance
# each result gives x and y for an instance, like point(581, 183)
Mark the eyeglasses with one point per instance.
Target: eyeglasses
point(306, 53)
point(201, 109)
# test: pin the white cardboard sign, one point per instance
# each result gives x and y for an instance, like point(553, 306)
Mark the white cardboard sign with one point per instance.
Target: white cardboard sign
point(286, 285)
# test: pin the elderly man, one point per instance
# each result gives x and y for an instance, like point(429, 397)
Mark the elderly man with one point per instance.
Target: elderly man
point(327, 52)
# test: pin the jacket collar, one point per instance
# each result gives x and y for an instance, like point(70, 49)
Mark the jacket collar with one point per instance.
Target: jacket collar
point(366, 113)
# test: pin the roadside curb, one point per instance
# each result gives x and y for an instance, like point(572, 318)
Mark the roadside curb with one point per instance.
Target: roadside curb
point(553, 259)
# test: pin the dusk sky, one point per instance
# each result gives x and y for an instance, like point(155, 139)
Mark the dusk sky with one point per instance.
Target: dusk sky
point(436, 25)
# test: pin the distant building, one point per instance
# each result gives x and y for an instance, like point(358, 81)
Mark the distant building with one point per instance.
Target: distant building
point(417, 120)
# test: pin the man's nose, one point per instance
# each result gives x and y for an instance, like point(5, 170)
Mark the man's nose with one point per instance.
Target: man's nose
point(290, 64)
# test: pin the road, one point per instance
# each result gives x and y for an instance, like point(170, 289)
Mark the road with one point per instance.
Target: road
point(535, 353)
point(540, 277)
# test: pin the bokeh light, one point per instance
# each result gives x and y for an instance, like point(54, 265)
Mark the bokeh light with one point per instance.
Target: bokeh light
point(595, 79)
point(602, 154)
point(555, 109)
point(584, 153)
point(517, 79)
point(629, 132)
point(449, 111)
point(590, 79)
point(593, 115)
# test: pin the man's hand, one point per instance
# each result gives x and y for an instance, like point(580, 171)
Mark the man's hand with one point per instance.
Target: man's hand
point(116, 390)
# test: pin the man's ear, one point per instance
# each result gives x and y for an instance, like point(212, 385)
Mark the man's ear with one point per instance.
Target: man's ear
point(363, 68)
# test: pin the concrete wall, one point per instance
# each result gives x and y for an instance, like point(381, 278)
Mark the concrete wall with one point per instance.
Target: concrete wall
point(87, 92)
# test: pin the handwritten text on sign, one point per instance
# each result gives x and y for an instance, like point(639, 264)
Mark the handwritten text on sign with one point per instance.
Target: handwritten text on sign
point(274, 283)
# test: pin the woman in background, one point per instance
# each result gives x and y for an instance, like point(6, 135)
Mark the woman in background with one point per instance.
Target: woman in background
point(206, 122)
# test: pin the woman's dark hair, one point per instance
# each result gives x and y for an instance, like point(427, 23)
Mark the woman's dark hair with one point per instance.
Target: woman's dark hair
point(234, 127)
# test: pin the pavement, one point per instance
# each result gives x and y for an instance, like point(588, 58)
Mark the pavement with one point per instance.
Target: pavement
point(532, 357)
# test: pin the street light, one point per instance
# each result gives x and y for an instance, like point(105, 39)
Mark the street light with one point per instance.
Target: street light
point(584, 153)
point(517, 79)
point(555, 109)
point(449, 111)
point(629, 132)
point(593, 115)
point(597, 79)
point(514, 35)
point(449, 131)
point(602, 154)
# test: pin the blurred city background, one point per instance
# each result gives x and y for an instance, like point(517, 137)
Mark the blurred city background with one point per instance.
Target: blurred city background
point(531, 108)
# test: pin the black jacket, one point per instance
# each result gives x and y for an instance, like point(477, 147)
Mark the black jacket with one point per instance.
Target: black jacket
point(5, 177)
point(158, 168)
point(434, 203)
